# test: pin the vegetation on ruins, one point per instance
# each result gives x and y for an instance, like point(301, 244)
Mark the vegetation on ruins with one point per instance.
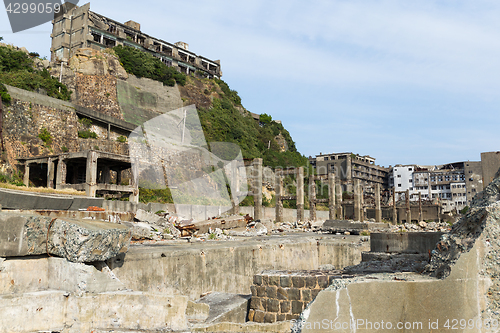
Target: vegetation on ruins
point(86, 133)
point(143, 64)
point(45, 136)
point(16, 69)
point(4, 95)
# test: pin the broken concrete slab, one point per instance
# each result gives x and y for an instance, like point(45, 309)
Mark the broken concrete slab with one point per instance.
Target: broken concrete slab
point(74, 240)
point(142, 230)
point(354, 228)
point(226, 307)
point(145, 216)
point(281, 327)
point(197, 312)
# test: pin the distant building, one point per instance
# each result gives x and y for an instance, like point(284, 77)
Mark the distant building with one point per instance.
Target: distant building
point(78, 27)
point(490, 163)
point(349, 166)
point(401, 178)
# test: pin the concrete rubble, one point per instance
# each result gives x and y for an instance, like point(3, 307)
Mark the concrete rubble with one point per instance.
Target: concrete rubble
point(75, 240)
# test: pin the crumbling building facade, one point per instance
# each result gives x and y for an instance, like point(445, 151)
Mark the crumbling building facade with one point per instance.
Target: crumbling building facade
point(348, 166)
point(78, 27)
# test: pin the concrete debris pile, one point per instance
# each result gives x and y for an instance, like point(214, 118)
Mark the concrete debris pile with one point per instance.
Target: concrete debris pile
point(76, 240)
point(156, 227)
point(421, 227)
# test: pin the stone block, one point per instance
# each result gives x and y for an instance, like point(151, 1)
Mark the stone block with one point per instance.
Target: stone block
point(285, 281)
point(292, 316)
point(75, 240)
point(273, 305)
point(311, 282)
point(259, 316)
point(294, 294)
point(271, 292)
point(282, 294)
point(298, 281)
point(265, 280)
point(297, 307)
point(261, 291)
point(251, 314)
point(285, 306)
point(323, 281)
point(315, 293)
point(145, 216)
point(256, 304)
point(306, 295)
point(274, 280)
point(253, 289)
point(270, 318)
point(257, 280)
point(281, 317)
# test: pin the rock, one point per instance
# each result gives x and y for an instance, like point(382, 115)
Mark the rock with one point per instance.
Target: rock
point(76, 240)
point(422, 224)
point(145, 216)
point(169, 228)
point(92, 62)
point(141, 230)
point(260, 229)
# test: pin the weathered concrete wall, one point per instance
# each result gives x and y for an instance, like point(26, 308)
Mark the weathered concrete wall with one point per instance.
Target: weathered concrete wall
point(400, 299)
point(193, 269)
point(289, 215)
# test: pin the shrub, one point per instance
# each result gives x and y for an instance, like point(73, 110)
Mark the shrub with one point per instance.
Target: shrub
point(464, 210)
point(87, 134)
point(121, 139)
point(45, 136)
point(4, 94)
point(86, 122)
point(64, 149)
point(143, 64)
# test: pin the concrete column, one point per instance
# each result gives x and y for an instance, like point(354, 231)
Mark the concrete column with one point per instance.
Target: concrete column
point(361, 202)
point(408, 207)
point(331, 196)
point(357, 201)
point(91, 174)
point(134, 197)
point(300, 194)
point(312, 198)
point(235, 187)
point(420, 213)
point(257, 188)
point(50, 173)
point(378, 208)
point(26, 179)
point(109, 131)
point(279, 193)
point(394, 209)
point(61, 173)
point(338, 201)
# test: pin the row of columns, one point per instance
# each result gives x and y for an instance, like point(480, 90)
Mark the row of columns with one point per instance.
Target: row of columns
point(334, 196)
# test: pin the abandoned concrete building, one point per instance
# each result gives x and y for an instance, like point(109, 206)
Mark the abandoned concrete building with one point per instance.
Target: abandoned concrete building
point(78, 27)
point(90, 171)
point(349, 166)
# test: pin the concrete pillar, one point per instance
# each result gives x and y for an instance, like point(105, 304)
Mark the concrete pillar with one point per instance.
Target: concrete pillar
point(331, 196)
point(361, 202)
point(348, 174)
point(378, 208)
point(61, 173)
point(134, 197)
point(312, 198)
point(338, 201)
point(408, 207)
point(357, 201)
point(50, 173)
point(420, 213)
point(257, 188)
point(91, 174)
point(279, 192)
point(235, 187)
point(300, 194)
point(26, 179)
point(394, 209)
point(109, 131)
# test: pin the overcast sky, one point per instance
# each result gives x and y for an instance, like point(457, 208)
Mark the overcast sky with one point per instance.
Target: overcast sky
point(410, 82)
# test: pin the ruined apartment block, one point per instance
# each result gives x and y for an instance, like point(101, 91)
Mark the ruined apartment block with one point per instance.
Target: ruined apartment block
point(78, 27)
point(348, 166)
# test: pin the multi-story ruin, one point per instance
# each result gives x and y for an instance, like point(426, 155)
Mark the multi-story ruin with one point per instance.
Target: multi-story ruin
point(78, 27)
point(349, 166)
